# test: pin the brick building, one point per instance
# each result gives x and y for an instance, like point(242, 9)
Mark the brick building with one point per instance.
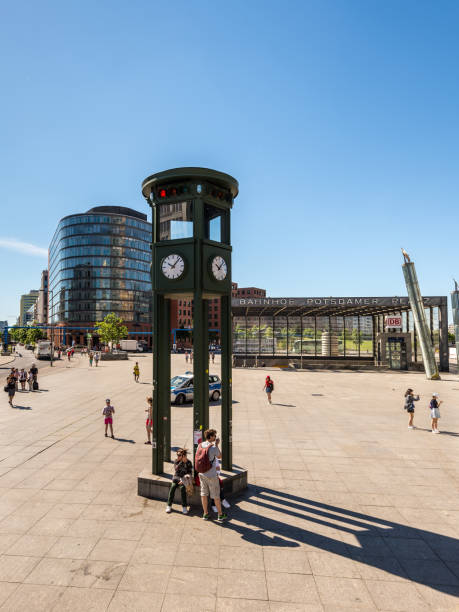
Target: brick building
point(182, 314)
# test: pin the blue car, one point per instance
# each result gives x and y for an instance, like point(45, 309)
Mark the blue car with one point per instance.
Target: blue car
point(182, 389)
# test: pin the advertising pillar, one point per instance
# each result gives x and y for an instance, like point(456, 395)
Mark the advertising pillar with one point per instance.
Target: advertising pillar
point(419, 317)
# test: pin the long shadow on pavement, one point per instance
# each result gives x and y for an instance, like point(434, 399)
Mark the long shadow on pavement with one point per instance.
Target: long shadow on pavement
point(423, 556)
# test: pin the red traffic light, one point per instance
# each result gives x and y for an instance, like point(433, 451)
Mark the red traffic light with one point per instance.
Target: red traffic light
point(162, 193)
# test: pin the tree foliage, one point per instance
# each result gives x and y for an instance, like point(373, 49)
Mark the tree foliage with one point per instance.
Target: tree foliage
point(33, 334)
point(111, 329)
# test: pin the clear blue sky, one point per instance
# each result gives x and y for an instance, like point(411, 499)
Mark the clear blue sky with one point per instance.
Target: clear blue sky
point(338, 118)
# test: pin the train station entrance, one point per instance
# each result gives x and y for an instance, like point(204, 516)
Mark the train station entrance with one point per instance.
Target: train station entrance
point(336, 331)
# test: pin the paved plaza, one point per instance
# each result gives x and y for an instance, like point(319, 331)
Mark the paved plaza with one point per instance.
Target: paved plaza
point(347, 508)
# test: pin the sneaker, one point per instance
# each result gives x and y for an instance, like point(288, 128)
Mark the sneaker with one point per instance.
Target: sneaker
point(106, 435)
point(410, 427)
point(113, 437)
point(184, 510)
point(205, 517)
point(147, 442)
point(436, 431)
point(168, 509)
point(433, 430)
point(226, 504)
point(221, 518)
point(214, 508)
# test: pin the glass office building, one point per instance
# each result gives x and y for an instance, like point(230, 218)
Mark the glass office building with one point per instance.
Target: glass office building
point(99, 262)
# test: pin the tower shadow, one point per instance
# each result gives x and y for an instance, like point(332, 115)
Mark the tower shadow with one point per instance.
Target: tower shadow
point(420, 555)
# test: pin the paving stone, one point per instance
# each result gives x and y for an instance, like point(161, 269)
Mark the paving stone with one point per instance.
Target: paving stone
point(32, 597)
point(395, 596)
point(129, 601)
point(291, 588)
point(344, 593)
point(72, 548)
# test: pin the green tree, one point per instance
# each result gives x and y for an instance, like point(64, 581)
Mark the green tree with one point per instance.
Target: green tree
point(33, 334)
point(111, 329)
point(18, 334)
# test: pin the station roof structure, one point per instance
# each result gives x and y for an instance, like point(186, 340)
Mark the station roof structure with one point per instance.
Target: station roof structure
point(327, 306)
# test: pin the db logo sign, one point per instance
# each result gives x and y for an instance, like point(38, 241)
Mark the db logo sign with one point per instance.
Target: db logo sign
point(394, 322)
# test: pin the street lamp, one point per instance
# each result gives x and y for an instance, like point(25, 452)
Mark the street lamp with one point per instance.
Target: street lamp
point(51, 326)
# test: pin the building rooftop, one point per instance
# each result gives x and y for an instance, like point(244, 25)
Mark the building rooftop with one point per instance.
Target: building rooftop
point(118, 210)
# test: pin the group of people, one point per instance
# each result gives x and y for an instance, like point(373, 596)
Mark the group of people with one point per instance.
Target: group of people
point(434, 407)
point(207, 470)
point(94, 356)
point(189, 355)
point(21, 377)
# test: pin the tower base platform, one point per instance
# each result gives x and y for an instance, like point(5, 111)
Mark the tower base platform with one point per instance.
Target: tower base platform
point(152, 486)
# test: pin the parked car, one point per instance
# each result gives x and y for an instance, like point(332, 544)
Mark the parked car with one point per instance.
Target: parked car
point(182, 389)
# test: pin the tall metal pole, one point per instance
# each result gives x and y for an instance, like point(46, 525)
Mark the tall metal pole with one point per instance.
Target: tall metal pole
point(419, 317)
point(226, 373)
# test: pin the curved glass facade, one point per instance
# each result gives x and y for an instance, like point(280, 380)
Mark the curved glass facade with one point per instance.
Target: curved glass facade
point(99, 262)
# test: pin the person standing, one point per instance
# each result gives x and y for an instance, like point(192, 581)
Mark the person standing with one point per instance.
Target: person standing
point(435, 412)
point(136, 371)
point(191, 357)
point(91, 357)
point(205, 465)
point(96, 358)
point(34, 371)
point(16, 378)
point(22, 378)
point(149, 421)
point(182, 476)
point(186, 356)
point(269, 388)
point(108, 413)
point(410, 398)
point(30, 380)
point(10, 388)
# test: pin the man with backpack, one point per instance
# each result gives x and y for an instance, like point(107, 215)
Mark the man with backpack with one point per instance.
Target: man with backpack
point(205, 465)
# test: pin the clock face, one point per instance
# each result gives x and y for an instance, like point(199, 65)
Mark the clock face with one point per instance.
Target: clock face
point(173, 266)
point(219, 268)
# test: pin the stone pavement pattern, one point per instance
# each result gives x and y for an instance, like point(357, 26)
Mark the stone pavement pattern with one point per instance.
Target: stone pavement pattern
point(347, 508)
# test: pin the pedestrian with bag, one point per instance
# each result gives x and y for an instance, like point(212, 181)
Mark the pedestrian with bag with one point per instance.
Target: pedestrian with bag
point(435, 412)
point(205, 465)
point(410, 398)
point(182, 479)
point(34, 371)
point(269, 388)
point(10, 388)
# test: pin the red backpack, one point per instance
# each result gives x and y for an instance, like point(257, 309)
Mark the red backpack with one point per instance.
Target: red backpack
point(202, 463)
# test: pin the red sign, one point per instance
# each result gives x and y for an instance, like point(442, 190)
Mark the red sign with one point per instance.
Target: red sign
point(394, 322)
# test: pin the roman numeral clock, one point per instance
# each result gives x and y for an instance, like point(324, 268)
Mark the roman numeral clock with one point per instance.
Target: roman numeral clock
point(191, 259)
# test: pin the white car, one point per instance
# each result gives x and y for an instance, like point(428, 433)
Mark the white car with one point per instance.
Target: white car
point(182, 389)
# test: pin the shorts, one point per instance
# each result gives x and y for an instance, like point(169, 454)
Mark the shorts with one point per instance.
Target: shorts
point(410, 409)
point(434, 413)
point(108, 421)
point(149, 422)
point(269, 390)
point(210, 486)
point(11, 392)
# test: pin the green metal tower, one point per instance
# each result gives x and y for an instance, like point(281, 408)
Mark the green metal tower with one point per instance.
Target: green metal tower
point(191, 259)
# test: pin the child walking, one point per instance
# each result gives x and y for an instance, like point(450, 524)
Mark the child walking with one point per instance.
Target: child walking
point(182, 479)
point(149, 421)
point(136, 371)
point(410, 398)
point(108, 413)
point(435, 412)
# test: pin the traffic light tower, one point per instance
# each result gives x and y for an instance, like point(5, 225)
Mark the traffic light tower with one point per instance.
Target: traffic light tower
point(191, 259)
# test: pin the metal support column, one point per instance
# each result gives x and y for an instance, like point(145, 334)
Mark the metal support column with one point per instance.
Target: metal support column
point(161, 383)
point(200, 365)
point(226, 373)
point(443, 336)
